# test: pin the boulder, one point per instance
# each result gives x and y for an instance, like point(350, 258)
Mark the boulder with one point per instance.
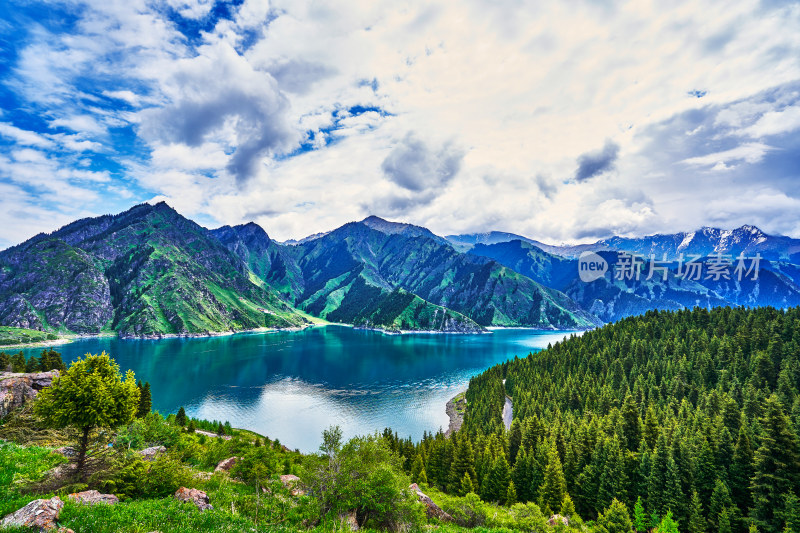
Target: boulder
point(197, 497)
point(226, 464)
point(17, 389)
point(41, 514)
point(91, 497)
point(557, 520)
point(67, 451)
point(292, 482)
point(65, 530)
point(149, 454)
point(431, 509)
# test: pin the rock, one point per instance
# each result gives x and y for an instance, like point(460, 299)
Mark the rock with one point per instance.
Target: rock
point(197, 497)
point(149, 454)
point(67, 451)
point(91, 497)
point(40, 514)
point(17, 389)
point(226, 464)
point(557, 520)
point(291, 482)
point(431, 509)
point(64, 530)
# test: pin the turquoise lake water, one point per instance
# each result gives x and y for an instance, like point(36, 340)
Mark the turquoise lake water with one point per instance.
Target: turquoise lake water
point(292, 385)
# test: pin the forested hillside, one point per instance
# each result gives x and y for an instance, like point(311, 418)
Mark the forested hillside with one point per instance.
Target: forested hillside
point(691, 412)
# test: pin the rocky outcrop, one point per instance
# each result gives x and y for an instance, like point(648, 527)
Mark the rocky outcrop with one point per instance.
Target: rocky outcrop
point(18, 389)
point(40, 514)
point(349, 521)
point(557, 520)
point(195, 496)
point(92, 497)
point(226, 464)
point(292, 483)
point(149, 454)
point(431, 509)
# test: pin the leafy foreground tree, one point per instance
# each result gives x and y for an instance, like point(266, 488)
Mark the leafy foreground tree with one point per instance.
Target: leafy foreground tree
point(365, 476)
point(90, 395)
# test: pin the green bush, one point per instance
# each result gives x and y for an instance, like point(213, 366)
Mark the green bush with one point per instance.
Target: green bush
point(151, 430)
point(132, 477)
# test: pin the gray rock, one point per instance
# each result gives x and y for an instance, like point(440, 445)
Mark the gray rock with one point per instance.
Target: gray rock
point(226, 464)
point(149, 454)
point(41, 514)
point(431, 509)
point(91, 497)
point(17, 389)
point(195, 496)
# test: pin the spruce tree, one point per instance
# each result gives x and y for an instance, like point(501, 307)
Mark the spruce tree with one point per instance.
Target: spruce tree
point(32, 364)
point(466, 485)
point(18, 362)
point(180, 418)
point(741, 471)
point(146, 402)
point(511, 494)
point(555, 486)
point(697, 523)
point(777, 467)
point(724, 521)
point(418, 474)
point(5, 362)
point(632, 423)
point(667, 524)
point(463, 462)
point(514, 440)
point(568, 508)
point(615, 519)
point(498, 480)
point(640, 521)
point(650, 431)
point(720, 500)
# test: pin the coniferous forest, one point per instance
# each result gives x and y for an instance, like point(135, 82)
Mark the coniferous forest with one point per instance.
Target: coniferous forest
point(689, 415)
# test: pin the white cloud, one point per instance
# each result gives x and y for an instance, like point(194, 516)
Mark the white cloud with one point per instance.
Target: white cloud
point(775, 122)
point(748, 153)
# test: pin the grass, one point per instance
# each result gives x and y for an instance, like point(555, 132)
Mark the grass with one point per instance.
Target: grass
point(19, 465)
point(11, 336)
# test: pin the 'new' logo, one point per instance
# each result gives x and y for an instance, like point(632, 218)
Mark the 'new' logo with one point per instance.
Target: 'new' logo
point(591, 267)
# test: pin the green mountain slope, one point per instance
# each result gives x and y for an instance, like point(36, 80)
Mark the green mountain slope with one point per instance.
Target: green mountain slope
point(386, 256)
point(147, 271)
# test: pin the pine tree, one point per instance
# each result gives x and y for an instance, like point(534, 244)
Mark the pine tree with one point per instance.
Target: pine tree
point(466, 485)
point(497, 480)
point(192, 426)
point(555, 486)
point(615, 519)
point(663, 486)
point(18, 362)
point(5, 362)
point(180, 418)
point(696, 524)
point(724, 521)
point(777, 467)
point(667, 524)
point(32, 365)
point(640, 521)
point(720, 500)
point(521, 475)
point(790, 514)
point(741, 471)
point(511, 494)
point(650, 431)
point(632, 423)
point(568, 507)
point(418, 474)
point(145, 402)
point(463, 462)
point(514, 440)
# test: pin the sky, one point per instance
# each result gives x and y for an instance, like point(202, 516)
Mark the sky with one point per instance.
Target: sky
point(564, 121)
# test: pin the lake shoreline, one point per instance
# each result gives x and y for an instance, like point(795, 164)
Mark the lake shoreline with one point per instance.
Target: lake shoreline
point(455, 409)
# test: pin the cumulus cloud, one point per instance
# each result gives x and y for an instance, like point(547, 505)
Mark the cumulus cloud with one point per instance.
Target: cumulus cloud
point(414, 166)
point(595, 163)
point(219, 96)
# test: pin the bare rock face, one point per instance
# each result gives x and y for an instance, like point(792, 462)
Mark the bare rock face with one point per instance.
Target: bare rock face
point(149, 454)
point(431, 509)
point(18, 389)
point(226, 464)
point(557, 520)
point(195, 496)
point(292, 483)
point(41, 514)
point(91, 497)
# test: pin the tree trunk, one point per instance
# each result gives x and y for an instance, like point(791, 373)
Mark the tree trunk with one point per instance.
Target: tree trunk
point(83, 445)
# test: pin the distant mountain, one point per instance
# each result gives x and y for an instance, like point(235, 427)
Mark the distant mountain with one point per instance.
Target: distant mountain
point(145, 272)
point(349, 270)
point(611, 299)
point(707, 241)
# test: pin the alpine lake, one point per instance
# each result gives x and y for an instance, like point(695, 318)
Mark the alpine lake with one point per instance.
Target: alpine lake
point(291, 385)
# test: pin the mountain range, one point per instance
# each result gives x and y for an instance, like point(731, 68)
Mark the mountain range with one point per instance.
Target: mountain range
point(151, 272)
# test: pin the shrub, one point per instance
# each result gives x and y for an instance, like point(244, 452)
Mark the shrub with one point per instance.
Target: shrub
point(151, 430)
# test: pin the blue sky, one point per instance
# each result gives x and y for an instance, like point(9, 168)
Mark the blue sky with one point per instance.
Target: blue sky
point(569, 121)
